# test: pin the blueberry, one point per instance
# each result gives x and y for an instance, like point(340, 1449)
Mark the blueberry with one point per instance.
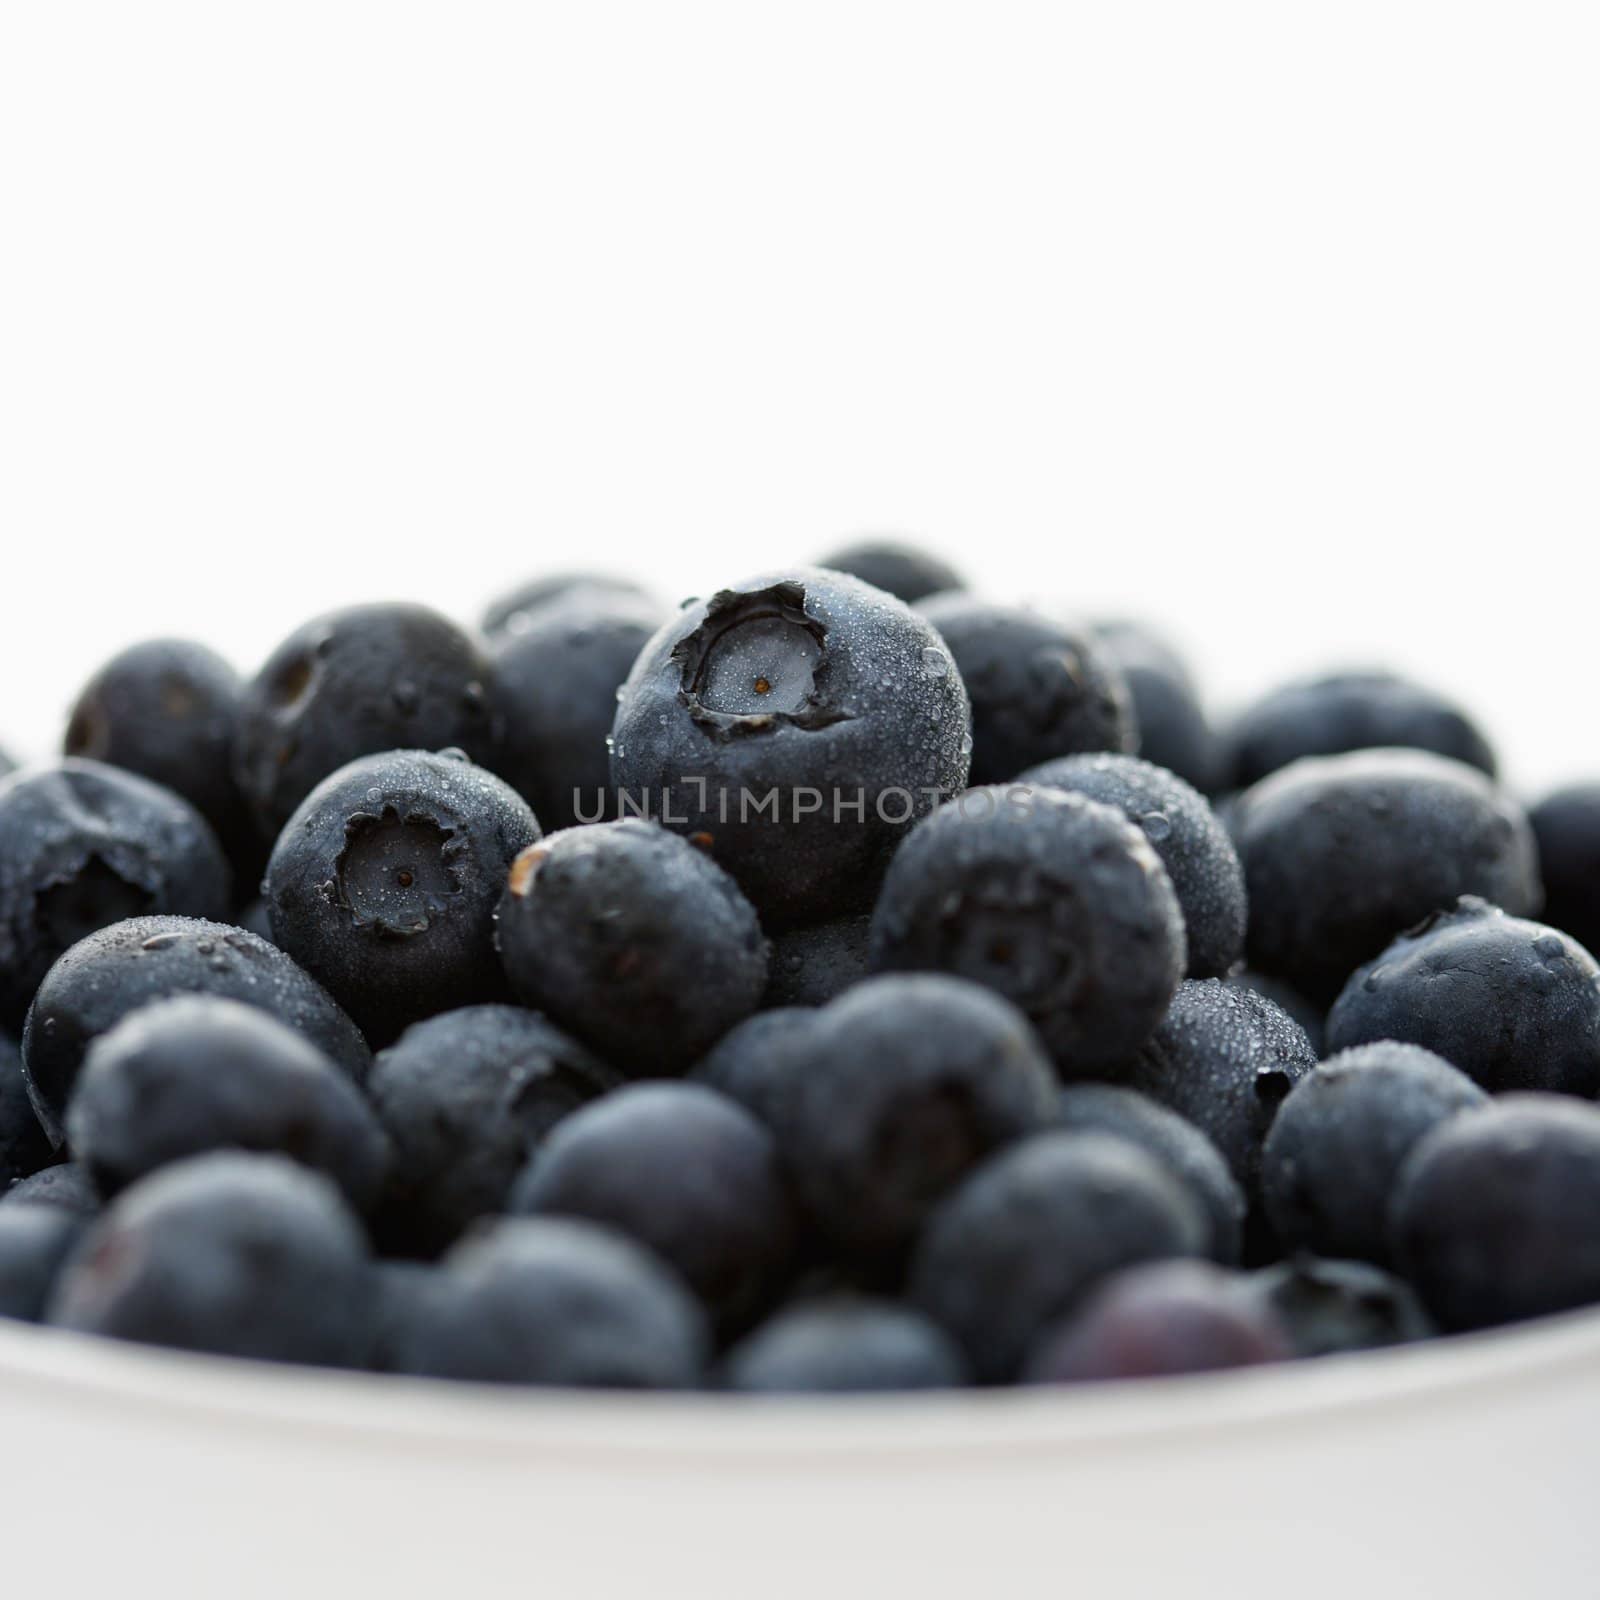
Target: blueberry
point(1174, 731)
point(899, 568)
point(811, 966)
point(195, 1073)
point(634, 940)
point(845, 1345)
point(758, 1061)
point(1159, 1320)
point(798, 723)
point(685, 1171)
point(66, 1185)
point(354, 683)
point(242, 1255)
point(546, 1300)
point(406, 1297)
point(900, 1088)
point(464, 1096)
point(1020, 1243)
point(1057, 902)
point(1039, 689)
point(1343, 853)
point(1333, 1307)
point(1184, 831)
point(1513, 1004)
point(24, 1149)
point(555, 695)
point(1567, 826)
point(34, 1243)
point(83, 845)
point(518, 608)
point(1337, 1144)
point(168, 710)
point(1494, 1217)
point(1347, 711)
point(1174, 1141)
point(120, 968)
point(256, 917)
point(385, 882)
point(1225, 1058)
point(1286, 998)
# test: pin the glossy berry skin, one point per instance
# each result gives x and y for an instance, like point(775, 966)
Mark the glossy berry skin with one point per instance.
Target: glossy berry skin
point(516, 609)
point(1345, 711)
point(120, 968)
point(385, 882)
point(464, 1097)
point(83, 845)
point(194, 1073)
point(1158, 1320)
point(555, 695)
point(1174, 730)
point(797, 723)
point(168, 710)
point(1567, 826)
point(546, 1300)
point(1336, 1147)
point(1335, 1307)
point(1174, 1141)
point(354, 683)
point(811, 966)
point(1342, 854)
point(24, 1149)
point(1286, 998)
point(635, 941)
point(35, 1241)
point(1225, 1058)
point(1493, 1218)
point(896, 566)
point(1054, 901)
point(901, 1087)
point(1514, 1004)
point(845, 1345)
point(1183, 830)
point(684, 1171)
point(1020, 1243)
point(65, 1186)
point(241, 1255)
point(1039, 689)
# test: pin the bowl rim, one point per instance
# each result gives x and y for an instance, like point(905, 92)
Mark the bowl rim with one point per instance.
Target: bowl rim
point(162, 1386)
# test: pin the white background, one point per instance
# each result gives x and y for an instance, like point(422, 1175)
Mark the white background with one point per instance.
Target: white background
point(1278, 322)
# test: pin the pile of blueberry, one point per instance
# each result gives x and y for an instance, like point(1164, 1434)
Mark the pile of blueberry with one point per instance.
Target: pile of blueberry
point(843, 982)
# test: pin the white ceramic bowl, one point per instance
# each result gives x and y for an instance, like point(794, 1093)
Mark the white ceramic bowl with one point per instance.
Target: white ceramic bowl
point(1460, 1469)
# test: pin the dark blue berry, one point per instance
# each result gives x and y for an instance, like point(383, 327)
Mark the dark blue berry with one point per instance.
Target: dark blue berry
point(35, 1242)
point(547, 1300)
point(1513, 1004)
point(384, 885)
point(84, 845)
point(1174, 731)
point(195, 1073)
point(1184, 831)
point(354, 683)
point(1054, 901)
point(634, 940)
point(117, 970)
point(811, 966)
point(464, 1097)
point(1336, 1146)
point(1343, 853)
point(1334, 1307)
point(845, 1345)
point(1567, 826)
point(896, 566)
point(1020, 1243)
point(241, 1255)
point(1039, 689)
point(685, 1171)
point(798, 723)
